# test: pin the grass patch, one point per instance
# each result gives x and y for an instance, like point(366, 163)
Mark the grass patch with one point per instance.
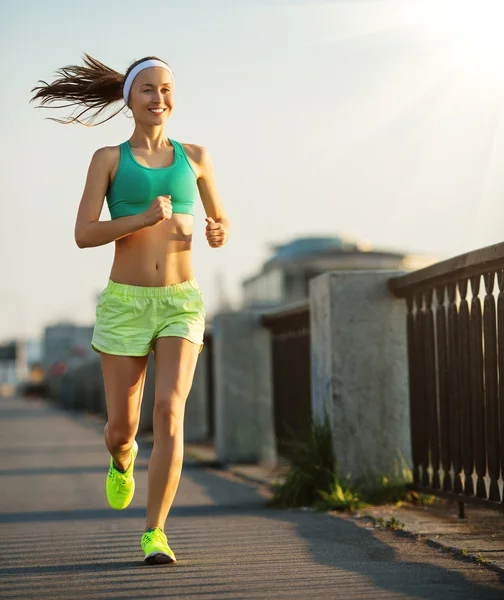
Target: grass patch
point(340, 496)
point(394, 524)
point(422, 499)
point(311, 469)
point(314, 480)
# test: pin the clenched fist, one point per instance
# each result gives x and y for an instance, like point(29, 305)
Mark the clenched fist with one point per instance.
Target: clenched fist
point(217, 234)
point(159, 210)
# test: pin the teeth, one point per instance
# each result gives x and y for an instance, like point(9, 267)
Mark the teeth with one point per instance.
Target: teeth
point(156, 110)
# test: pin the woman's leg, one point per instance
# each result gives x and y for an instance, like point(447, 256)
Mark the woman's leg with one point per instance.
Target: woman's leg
point(176, 360)
point(124, 378)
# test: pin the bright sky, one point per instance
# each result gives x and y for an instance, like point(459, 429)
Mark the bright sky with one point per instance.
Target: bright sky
point(378, 119)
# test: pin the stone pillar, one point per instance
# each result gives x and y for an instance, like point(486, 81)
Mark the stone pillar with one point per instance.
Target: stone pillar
point(244, 422)
point(360, 369)
point(196, 424)
point(196, 413)
point(91, 379)
point(147, 407)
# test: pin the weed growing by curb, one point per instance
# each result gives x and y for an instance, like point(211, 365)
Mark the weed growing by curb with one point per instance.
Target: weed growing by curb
point(392, 523)
point(314, 479)
point(311, 469)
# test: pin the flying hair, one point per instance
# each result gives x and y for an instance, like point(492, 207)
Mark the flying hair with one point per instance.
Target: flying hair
point(92, 87)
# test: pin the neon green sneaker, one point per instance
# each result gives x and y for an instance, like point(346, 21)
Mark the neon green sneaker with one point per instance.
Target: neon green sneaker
point(120, 487)
point(156, 549)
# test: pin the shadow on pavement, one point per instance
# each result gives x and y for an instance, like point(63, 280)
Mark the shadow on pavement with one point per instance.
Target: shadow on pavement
point(342, 544)
point(234, 545)
point(73, 471)
point(131, 513)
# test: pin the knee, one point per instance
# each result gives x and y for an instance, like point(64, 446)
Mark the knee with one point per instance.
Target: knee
point(169, 415)
point(121, 434)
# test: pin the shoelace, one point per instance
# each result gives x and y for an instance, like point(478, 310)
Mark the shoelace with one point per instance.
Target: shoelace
point(157, 534)
point(120, 478)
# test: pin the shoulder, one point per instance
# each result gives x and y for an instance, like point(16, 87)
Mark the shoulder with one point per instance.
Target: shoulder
point(200, 159)
point(108, 155)
point(106, 158)
point(199, 155)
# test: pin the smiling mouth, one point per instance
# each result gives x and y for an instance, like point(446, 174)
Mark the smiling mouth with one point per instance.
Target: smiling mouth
point(157, 111)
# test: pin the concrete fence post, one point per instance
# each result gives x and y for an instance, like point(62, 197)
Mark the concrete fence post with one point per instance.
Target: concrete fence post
point(196, 426)
point(147, 407)
point(360, 369)
point(244, 422)
point(196, 420)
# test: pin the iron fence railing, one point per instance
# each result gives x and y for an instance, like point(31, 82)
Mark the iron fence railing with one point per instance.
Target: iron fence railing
point(209, 356)
point(455, 328)
point(290, 331)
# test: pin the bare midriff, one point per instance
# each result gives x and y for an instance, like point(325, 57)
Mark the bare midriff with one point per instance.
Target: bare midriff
point(156, 256)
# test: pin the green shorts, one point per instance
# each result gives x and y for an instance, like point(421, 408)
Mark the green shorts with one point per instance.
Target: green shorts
point(129, 318)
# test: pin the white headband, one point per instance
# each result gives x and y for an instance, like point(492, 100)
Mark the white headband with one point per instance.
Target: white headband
point(140, 67)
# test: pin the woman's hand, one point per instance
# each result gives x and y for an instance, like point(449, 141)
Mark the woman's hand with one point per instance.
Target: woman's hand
point(159, 210)
point(216, 233)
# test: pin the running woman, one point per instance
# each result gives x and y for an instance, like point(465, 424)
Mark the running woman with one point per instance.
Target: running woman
point(152, 301)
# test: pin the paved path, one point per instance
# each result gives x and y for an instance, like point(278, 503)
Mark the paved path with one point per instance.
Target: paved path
point(61, 541)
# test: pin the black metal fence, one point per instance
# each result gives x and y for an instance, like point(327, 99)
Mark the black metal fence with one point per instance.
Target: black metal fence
point(290, 331)
point(455, 327)
point(209, 345)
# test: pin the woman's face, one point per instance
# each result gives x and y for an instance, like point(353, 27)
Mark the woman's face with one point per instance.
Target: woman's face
point(151, 96)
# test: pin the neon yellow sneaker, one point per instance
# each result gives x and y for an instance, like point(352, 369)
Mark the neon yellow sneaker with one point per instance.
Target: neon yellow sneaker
point(156, 549)
point(120, 487)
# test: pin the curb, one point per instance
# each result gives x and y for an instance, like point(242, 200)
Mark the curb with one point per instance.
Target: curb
point(257, 480)
point(229, 468)
point(454, 550)
point(250, 478)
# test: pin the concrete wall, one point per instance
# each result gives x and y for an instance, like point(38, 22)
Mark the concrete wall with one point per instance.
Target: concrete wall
point(359, 375)
point(196, 414)
point(244, 427)
point(359, 369)
point(196, 420)
point(81, 386)
point(148, 397)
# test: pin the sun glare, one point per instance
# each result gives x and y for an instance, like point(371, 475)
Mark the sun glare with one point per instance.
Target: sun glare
point(471, 29)
point(470, 32)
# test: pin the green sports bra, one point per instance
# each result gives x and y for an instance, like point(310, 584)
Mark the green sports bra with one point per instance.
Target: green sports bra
point(135, 186)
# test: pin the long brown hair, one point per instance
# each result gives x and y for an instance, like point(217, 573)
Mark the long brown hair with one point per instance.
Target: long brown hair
point(93, 86)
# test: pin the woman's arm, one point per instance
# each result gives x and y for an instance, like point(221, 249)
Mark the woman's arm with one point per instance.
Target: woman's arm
point(89, 231)
point(219, 231)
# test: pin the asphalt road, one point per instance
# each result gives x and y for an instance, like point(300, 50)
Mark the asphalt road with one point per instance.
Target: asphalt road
point(60, 540)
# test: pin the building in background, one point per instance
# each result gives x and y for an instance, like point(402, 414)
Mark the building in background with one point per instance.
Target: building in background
point(13, 366)
point(284, 277)
point(33, 352)
point(63, 341)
